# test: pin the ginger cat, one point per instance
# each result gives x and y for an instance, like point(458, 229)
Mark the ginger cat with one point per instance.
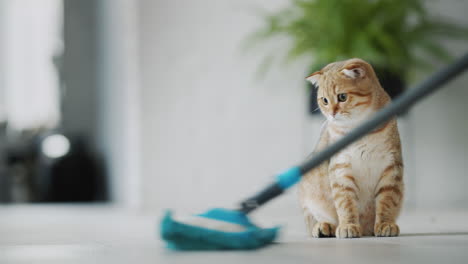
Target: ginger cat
point(359, 191)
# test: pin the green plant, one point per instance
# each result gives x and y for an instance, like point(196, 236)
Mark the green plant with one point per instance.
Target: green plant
point(398, 35)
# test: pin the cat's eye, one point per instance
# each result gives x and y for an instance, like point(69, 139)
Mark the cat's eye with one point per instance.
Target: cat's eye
point(325, 100)
point(342, 97)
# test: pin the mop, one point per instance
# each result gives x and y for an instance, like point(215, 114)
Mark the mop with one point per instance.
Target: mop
point(224, 229)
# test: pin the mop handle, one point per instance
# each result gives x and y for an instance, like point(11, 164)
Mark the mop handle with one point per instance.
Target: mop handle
point(399, 105)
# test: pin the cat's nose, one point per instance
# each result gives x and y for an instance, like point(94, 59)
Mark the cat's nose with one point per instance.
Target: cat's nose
point(335, 111)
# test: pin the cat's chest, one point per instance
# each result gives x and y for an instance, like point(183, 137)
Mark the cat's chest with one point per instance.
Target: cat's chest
point(368, 157)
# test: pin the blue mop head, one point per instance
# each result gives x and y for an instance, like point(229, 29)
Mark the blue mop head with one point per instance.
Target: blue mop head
point(215, 230)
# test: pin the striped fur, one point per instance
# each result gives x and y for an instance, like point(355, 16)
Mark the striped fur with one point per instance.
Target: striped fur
point(359, 191)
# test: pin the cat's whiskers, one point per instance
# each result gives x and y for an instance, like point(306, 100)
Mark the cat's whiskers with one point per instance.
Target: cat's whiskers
point(316, 109)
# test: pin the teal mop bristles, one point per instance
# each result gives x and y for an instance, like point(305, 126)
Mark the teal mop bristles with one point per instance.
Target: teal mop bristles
point(227, 229)
point(217, 229)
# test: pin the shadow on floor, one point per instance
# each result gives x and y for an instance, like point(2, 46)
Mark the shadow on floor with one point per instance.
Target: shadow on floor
point(435, 234)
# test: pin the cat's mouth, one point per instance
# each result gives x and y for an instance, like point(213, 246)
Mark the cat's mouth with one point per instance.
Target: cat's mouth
point(339, 117)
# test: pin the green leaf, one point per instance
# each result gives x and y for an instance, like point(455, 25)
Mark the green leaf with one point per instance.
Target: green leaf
point(384, 32)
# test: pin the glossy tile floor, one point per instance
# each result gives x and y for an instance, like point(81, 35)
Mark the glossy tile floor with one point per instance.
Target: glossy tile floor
point(102, 234)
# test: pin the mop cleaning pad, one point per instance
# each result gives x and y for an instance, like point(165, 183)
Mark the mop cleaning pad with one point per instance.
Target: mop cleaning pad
point(215, 229)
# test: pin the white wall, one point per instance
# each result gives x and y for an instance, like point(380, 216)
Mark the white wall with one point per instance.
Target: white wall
point(439, 131)
point(441, 147)
point(117, 123)
point(210, 134)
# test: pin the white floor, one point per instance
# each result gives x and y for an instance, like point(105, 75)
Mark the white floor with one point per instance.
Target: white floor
point(101, 234)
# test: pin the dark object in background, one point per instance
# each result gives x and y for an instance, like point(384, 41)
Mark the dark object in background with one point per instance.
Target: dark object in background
point(20, 161)
point(4, 180)
point(391, 82)
point(53, 168)
point(75, 177)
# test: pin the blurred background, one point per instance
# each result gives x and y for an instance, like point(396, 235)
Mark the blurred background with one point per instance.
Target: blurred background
point(192, 104)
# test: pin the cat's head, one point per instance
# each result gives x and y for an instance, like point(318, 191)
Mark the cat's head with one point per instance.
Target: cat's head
point(346, 90)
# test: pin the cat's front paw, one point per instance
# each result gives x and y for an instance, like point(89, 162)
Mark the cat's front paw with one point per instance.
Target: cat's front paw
point(386, 229)
point(323, 230)
point(348, 231)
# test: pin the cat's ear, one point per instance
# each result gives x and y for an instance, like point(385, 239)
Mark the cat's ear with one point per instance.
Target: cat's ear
point(354, 71)
point(313, 78)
